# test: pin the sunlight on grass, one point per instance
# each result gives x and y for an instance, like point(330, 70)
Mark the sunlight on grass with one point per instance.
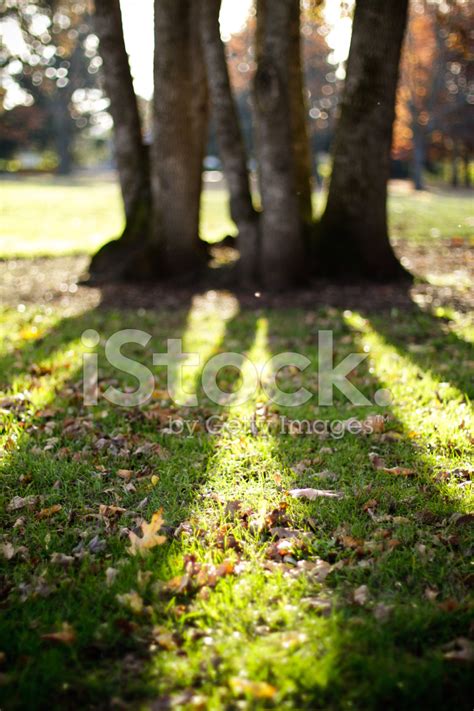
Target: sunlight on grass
point(53, 217)
point(434, 413)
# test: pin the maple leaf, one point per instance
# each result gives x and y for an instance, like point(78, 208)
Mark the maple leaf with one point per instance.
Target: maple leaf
point(150, 537)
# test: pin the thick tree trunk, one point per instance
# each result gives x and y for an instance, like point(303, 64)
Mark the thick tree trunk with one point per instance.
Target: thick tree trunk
point(180, 132)
point(353, 231)
point(299, 120)
point(118, 257)
point(418, 158)
point(230, 140)
point(282, 243)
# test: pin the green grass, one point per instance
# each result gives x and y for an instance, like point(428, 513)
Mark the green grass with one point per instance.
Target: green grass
point(259, 638)
point(52, 217)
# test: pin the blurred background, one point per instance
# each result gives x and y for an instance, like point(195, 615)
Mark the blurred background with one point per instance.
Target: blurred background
point(56, 148)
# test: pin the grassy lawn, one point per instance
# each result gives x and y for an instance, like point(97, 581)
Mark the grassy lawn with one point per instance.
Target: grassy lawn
point(81, 215)
point(255, 599)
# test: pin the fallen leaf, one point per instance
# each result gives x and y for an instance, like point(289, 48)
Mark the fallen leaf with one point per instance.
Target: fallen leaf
point(110, 576)
point(459, 519)
point(150, 537)
point(111, 511)
point(361, 595)
point(20, 502)
point(382, 611)
point(125, 474)
point(62, 559)
point(255, 689)
point(48, 512)
point(398, 471)
point(164, 638)
point(459, 650)
point(374, 424)
point(313, 494)
point(280, 532)
point(66, 635)
point(8, 550)
point(132, 601)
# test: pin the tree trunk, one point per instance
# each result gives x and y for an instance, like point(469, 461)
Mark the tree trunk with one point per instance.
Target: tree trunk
point(467, 167)
point(418, 158)
point(180, 132)
point(299, 121)
point(282, 244)
point(117, 257)
point(230, 140)
point(353, 232)
point(455, 167)
point(63, 131)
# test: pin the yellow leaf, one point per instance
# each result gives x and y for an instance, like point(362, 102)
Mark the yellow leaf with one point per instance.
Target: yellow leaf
point(132, 600)
point(150, 537)
point(255, 689)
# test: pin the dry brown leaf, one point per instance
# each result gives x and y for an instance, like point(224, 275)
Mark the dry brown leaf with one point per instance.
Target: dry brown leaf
point(8, 550)
point(132, 601)
point(374, 424)
point(48, 512)
point(460, 650)
point(66, 635)
point(20, 502)
point(361, 595)
point(150, 537)
point(313, 494)
point(125, 474)
point(398, 471)
point(111, 511)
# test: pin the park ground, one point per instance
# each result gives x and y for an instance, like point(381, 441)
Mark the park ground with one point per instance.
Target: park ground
point(246, 597)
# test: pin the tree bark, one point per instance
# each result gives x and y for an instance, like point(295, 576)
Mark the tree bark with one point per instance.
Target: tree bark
point(180, 132)
point(353, 231)
point(131, 154)
point(230, 141)
point(299, 121)
point(282, 243)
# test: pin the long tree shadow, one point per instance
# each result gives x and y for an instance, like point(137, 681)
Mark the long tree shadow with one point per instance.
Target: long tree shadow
point(61, 485)
point(74, 564)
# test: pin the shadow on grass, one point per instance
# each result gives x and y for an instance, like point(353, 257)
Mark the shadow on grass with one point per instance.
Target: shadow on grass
point(365, 663)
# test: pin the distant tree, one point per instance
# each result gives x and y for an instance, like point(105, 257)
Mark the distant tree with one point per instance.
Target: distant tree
point(59, 57)
point(353, 234)
point(433, 109)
